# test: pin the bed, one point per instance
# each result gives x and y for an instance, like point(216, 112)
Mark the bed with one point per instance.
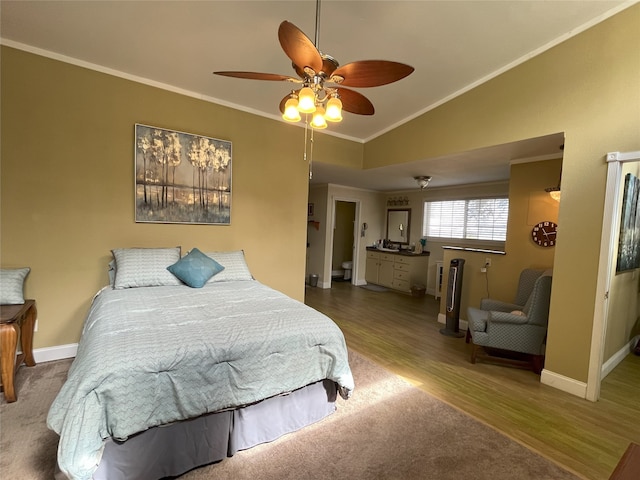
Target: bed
point(176, 370)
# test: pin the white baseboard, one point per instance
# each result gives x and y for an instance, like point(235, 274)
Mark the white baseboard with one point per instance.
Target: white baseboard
point(566, 384)
point(616, 358)
point(49, 354)
point(547, 377)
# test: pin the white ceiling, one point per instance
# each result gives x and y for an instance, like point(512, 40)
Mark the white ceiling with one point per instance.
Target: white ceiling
point(453, 45)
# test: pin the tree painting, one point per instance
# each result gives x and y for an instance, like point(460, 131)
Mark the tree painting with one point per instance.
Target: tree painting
point(629, 240)
point(181, 178)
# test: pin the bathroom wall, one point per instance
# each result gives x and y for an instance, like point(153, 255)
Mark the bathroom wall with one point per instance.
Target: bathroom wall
point(369, 209)
point(416, 199)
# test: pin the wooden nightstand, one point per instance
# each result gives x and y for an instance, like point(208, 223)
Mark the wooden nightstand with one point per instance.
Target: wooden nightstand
point(15, 320)
point(629, 465)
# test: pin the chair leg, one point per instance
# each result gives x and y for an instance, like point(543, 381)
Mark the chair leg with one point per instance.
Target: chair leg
point(538, 363)
point(468, 336)
point(474, 351)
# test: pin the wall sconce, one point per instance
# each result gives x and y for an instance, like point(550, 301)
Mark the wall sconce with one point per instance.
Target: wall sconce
point(554, 192)
point(397, 201)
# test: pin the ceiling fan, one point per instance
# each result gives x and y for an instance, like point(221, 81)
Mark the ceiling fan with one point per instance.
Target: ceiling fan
point(322, 79)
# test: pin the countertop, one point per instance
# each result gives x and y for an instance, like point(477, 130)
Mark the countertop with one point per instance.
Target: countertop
point(406, 253)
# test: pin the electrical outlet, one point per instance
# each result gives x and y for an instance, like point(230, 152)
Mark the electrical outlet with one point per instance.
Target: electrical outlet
point(487, 262)
point(483, 270)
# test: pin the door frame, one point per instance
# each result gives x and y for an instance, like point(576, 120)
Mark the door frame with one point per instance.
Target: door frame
point(356, 243)
point(610, 231)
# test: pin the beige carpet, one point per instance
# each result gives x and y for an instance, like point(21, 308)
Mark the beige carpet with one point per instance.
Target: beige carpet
point(387, 430)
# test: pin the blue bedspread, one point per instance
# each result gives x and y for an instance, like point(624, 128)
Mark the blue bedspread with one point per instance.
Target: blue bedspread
point(155, 355)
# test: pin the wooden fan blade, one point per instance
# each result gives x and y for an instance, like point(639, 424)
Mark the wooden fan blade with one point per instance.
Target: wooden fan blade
point(298, 47)
point(259, 76)
point(370, 73)
point(355, 102)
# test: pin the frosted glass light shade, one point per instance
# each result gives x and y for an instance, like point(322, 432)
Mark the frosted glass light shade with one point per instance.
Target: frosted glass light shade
point(318, 122)
point(291, 113)
point(334, 110)
point(306, 100)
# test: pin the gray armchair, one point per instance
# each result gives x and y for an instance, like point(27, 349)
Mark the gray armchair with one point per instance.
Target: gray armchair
point(523, 332)
point(527, 280)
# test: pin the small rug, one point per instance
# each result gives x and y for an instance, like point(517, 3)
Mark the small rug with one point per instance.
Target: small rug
point(375, 288)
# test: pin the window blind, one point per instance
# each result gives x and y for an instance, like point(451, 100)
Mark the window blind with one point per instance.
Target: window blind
point(475, 219)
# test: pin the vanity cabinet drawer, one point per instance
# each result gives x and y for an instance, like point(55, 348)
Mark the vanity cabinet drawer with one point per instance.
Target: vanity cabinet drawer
point(400, 285)
point(400, 275)
point(401, 266)
point(396, 271)
point(403, 259)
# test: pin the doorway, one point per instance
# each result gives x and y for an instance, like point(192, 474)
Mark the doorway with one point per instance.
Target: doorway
point(343, 240)
point(343, 244)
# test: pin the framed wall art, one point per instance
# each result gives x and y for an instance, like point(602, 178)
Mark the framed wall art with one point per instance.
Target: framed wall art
point(181, 177)
point(629, 241)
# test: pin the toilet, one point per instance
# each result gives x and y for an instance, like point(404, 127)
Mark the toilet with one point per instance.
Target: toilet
point(347, 267)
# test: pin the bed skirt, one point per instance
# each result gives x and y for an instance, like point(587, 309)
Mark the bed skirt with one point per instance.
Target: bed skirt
point(174, 449)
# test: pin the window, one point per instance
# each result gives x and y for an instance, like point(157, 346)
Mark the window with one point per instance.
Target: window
point(477, 219)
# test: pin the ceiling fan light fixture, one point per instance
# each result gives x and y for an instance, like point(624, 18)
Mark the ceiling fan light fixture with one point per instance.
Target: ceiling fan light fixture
point(291, 113)
point(318, 121)
point(423, 181)
point(334, 110)
point(306, 100)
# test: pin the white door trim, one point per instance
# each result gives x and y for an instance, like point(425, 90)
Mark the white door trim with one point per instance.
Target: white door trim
point(610, 230)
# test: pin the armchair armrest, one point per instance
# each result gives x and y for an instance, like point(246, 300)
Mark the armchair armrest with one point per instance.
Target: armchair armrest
point(504, 317)
point(498, 305)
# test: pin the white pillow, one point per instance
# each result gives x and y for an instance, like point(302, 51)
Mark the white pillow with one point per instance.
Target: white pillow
point(12, 285)
point(145, 267)
point(235, 267)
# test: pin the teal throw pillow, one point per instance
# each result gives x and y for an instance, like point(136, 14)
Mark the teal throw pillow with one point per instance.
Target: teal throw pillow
point(195, 268)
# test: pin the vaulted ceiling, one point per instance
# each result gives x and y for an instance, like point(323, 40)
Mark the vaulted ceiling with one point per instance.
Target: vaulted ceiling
point(453, 46)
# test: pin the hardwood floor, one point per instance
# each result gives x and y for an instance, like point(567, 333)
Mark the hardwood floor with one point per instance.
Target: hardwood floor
point(401, 333)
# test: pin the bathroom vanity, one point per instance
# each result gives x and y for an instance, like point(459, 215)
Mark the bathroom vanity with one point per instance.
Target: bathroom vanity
point(396, 270)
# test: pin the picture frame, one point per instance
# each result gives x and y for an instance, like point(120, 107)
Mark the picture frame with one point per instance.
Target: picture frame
point(629, 239)
point(181, 177)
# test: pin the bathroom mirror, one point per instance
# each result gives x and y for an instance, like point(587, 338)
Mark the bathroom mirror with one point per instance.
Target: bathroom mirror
point(398, 223)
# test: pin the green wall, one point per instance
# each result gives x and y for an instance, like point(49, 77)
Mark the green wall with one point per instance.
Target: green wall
point(586, 87)
point(68, 187)
point(67, 171)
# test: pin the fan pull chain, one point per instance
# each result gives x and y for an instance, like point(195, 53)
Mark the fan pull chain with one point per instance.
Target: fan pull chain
point(311, 157)
point(308, 143)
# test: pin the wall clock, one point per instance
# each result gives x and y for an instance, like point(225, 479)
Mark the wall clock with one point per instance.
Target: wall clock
point(544, 234)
